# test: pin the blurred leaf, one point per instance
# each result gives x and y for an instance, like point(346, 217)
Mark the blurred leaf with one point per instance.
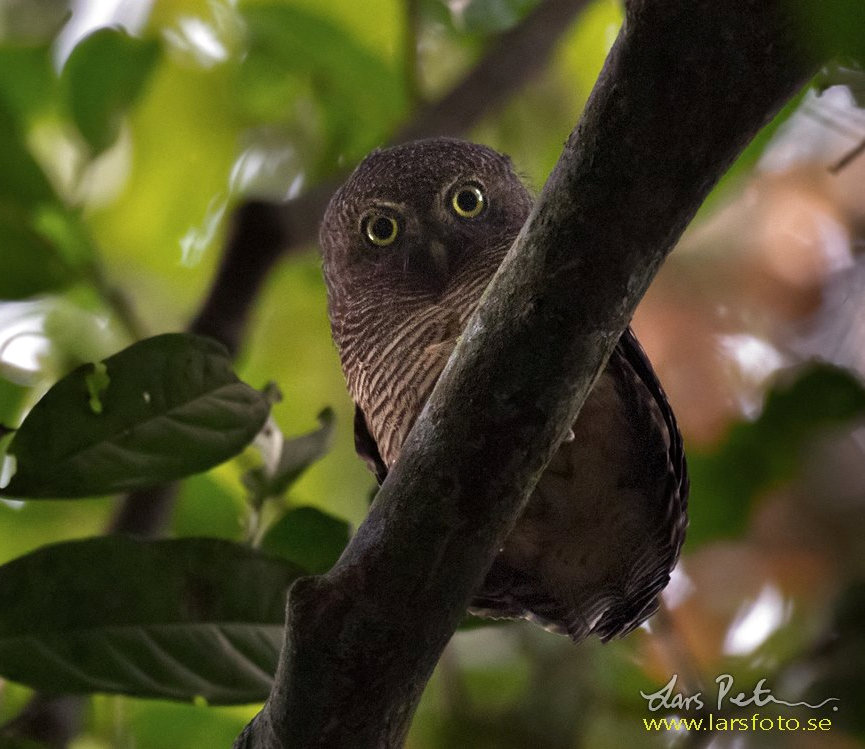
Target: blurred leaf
point(767, 451)
point(33, 250)
point(308, 537)
point(833, 28)
point(173, 407)
point(294, 54)
point(292, 457)
point(162, 725)
point(22, 181)
point(490, 16)
point(205, 508)
point(173, 619)
point(103, 77)
point(27, 81)
point(67, 234)
point(29, 265)
point(835, 74)
point(835, 669)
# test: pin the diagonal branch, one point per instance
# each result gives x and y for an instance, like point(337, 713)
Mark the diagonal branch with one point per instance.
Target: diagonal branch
point(686, 86)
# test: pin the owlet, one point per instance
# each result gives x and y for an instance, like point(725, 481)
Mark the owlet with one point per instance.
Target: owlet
point(410, 241)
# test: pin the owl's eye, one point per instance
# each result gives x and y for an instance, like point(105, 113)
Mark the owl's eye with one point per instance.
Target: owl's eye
point(380, 229)
point(468, 201)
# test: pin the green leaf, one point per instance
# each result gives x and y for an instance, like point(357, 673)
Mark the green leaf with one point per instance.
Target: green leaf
point(293, 55)
point(205, 508)
point(757, 455)
point(103, 77)
point(833, 28)
point(27, 82)
point(174, 619)
point(835, 667)
point(36, 230)
point(22, 181)
point(308, 537)
point(294, 456)
point(29, 265)
point(173, 407)
point(491, 16)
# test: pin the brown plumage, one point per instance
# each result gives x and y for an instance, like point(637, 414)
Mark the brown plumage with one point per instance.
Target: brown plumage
point(410, 242)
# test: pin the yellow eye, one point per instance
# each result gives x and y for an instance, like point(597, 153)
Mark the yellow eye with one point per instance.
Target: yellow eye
point(381, 230)
point(468, 201)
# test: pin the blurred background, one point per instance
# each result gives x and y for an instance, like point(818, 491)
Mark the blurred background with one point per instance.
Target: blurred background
point(123, 156)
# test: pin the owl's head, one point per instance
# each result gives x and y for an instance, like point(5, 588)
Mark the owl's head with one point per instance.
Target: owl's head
point(415, 219)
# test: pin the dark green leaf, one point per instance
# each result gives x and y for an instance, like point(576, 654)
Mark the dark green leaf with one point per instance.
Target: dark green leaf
point(308, 537)
point(174, 619)
point(28, 264)
point(22, 181)
point(833, 28)
point(27, 82)
point(103, 77)
point(36, 231)
point(173, 407)
point(295, 456)
point(835, 668)
point(757, 455)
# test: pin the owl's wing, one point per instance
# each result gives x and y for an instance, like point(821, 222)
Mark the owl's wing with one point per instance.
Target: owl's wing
point(603, 529)
point(366, 447)
point(636, 357)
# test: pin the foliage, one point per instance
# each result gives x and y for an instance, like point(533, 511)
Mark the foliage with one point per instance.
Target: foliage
point(757, 456)
point(159, 410)
point(145, 618)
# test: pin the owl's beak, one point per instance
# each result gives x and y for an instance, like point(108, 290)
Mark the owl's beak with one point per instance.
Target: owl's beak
point(439, 260)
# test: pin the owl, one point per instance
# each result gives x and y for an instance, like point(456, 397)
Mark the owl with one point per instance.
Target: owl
point(409, 244)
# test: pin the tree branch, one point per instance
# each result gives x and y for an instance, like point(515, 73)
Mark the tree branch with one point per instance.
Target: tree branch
point(686, 86)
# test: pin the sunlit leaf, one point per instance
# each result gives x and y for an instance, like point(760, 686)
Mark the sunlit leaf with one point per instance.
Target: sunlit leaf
point(173, 407)
point(175, 619)
point(308, 537)
point(102, 78)
point(66, 233)
point(767, 451)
